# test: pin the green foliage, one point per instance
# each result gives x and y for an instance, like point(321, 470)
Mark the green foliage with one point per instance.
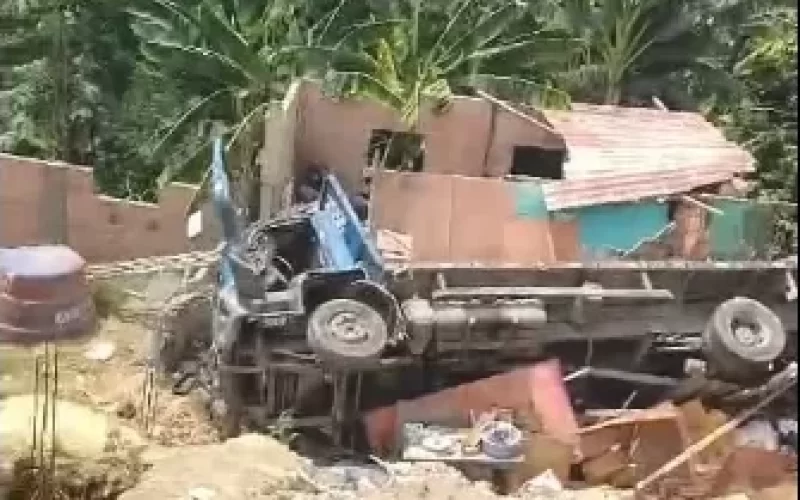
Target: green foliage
point(137, 87)
point(431, 50)
point(633, 50)
point(65, 85)
point(765, 119)
point(228, 60)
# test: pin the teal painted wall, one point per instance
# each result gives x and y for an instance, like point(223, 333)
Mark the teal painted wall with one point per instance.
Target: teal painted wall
point(620, 227)
point(743, 230)
point(529, 200)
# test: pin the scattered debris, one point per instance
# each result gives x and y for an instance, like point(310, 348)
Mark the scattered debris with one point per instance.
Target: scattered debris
point(544, 483)
point(201, 494)
point(538, 386)
point(696, 447)
point(498, 444)
point(685, 450)
point(758, 433)
point(394, 246)
point(100, 351)
point(749, 469)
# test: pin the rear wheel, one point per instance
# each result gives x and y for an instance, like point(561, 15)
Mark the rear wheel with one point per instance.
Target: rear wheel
point(347, 334)
point(742, 338)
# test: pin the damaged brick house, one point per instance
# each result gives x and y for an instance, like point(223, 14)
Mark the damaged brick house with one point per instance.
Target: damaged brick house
point(505, 183)
point(496, 182)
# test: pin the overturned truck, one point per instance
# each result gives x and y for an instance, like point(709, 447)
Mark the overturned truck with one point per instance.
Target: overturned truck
point(320, 316)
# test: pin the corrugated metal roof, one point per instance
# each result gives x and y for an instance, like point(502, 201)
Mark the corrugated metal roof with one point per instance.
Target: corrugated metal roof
point(628, 187)
point(621, 154)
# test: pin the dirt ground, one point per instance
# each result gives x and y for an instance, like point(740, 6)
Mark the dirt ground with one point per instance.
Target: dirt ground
point(99, 400)
point(112, 386)
point(180, 457)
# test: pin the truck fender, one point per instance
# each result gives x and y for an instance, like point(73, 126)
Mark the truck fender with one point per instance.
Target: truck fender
point(380, 298)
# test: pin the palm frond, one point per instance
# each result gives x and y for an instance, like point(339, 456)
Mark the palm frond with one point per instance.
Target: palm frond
point(228, 41)
point(521, 90)
point(186, 120)
point(197, 61)
point(195, 160)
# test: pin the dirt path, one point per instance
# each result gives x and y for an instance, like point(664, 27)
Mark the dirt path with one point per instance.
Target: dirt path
point(259, 468)
point(248, 467)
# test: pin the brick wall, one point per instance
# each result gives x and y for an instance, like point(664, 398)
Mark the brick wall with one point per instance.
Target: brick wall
point(472, 138)
point(43, 202)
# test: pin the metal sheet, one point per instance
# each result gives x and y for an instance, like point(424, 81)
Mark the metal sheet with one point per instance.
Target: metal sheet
point(630, 187)
point(626, 154)
point(419, 205)
point(626, 140)
point(528, 242)
point(481, 208)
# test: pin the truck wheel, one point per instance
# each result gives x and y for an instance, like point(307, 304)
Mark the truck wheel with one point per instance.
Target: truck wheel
point(743, 337)
point(347, 334)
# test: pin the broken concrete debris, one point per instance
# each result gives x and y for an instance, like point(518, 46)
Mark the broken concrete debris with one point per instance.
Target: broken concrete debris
point(667, 451)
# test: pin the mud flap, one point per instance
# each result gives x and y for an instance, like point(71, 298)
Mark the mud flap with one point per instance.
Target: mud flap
point(226, 405)
point(227, 319)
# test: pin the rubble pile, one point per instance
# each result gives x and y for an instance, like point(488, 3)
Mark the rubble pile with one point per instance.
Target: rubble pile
point(400, 480)
point(671, 450)
point(259, 467)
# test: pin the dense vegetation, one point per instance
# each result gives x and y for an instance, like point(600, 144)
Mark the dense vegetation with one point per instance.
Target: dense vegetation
point(135, 87)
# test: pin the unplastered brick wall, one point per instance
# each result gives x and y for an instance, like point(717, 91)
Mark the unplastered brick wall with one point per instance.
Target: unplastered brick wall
point(44, 202)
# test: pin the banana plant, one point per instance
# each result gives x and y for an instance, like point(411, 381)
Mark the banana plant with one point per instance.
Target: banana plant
point(232, 58)
point(437, 49)
point(636, 48)
point(434, 49)
point(235, 57)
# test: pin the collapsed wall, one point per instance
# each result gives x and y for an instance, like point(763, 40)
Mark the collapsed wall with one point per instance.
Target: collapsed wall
point(52, 202)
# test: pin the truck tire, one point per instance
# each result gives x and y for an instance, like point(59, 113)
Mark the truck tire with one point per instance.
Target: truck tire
point(742, 338)
point(347, 334)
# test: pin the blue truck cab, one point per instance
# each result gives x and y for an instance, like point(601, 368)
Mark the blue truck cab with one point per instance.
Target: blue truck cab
point(312, 273)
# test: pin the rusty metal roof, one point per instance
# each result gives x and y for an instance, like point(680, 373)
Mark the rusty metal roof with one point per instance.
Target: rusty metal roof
point(621, 154)
point(629, 187)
